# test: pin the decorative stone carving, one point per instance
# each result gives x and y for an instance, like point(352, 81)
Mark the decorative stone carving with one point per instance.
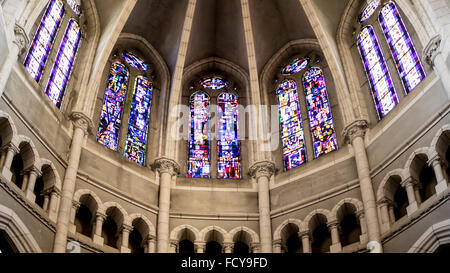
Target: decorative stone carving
point(166, 165)
point(256, 247)
point(75, 204)
point(333, 224)
point(127, 228)
point(80, 120)
point(35, 170)
point(228, 247)
point(304, 233)
point(432, 50)
point(356, 129)
point(12, 147)
point(409, 181)
point(20, 39)
point(263, 168)
point(434, 160)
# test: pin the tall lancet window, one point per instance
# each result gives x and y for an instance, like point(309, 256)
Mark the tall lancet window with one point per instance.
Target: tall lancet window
point(402, 47)
point(383, 90)
point(199, 165)
point(319, 112)
point(135, 147)
point(112, 110)
point(44, 38)
point(62, 68)
point(228, 143)
point(291, 125)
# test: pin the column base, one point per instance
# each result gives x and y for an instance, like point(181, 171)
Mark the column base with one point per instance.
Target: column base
point(98, 240)
point(364, 238)
point(7, 173)
point(31, 196)
point(412, 208)
point(336, 248)
point(125, 250)
point(441, 187)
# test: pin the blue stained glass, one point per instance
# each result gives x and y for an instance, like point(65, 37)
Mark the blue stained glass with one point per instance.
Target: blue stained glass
point(214, 83)
point(135, 147)
point(292, 137)
point(295, 66)
point(111, 115)
point(369, 10)
point(198, 156)
point(383, 90)
point(136, 62)
point(228, 144)
point(402, 47)
point(62, 68)
point(43, 39)
point(74, 6)
point(319, 112)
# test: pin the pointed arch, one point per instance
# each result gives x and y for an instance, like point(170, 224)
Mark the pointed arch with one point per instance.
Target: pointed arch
point(253, 235)
point(176, 232)
point(279, 229)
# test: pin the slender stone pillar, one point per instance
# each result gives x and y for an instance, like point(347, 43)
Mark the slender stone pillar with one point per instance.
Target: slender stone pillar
point(335, 240)
point(82, 125)
point(276, 246)
point(384, 210)
point(150, 244)
point(173, 246)
point(33, 174)
point(306, 241)
point(24, 174)
point(435, 163)
point(391, 213)
point(228, 247)
point(73, 212)
point(46, 202)
point(433, 56)
point(53, 206)
point(11, 151)
point(262, 171)
point(362, 223)
point(200, 246)
point(17, 49)
point(166, 168)
point(354, 134)
point(408, 184)
point(126, 230)
point(99, 220)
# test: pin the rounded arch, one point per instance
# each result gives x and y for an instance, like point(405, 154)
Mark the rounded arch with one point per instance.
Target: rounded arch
point(207, 230)
point(93, 202)
point(337, 209)
point(383, 187)
point(309, 225)
point(278, 230)
point(17, 231)
point(440, 142)
point(176, 232)
point(8, 130)
point(251, 233)
point(27, 149)
point(109, 206)
point(411, 168)
point(53, 175)
point(151, 231)
point(432, 238)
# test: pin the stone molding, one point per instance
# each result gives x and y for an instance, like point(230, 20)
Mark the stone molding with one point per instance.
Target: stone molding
point(80, 120)
point(410, 180)
point(20, 39)
point(166, 165)
point(435, 160)
point(35, 170)
point(263, 168)
point(432, 49)
point(355, 129)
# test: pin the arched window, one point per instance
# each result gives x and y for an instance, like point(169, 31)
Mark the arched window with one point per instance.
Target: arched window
point(228, 143)
point(44, 38)
point(62, 68)
point(383, 90)
point(199, 157)
point(111, 115)
point(135, 148)
point(319, 112)
point(402, 47)
point(291, 125)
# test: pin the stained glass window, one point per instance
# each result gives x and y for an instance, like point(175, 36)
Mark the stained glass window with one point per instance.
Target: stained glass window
point(62, 68)
point(369, 10)
point(135, 147)
point(295, 66)
point(405, 55)
point(228, 143)
point(383, 90)
point(214, 83)
point(111, 115)
point(74, 6)
point(134, 61)
point(199, 159)
point(43, 39)
point(291, 125)
point(319, 112)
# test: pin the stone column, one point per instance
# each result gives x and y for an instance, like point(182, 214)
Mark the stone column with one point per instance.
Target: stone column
point(73, 212)
point(435, 163)
point(306, 242)
point(82, 125)
point(24, 175)
point(126, 230)
point(335, 240)
point(408, 184)
point(150, 244)
point(200, 246)
point(173, 246)
point(18, 48)
point(354, 134)
point(276, 246)
point(11, 151)
point(256, 247)
point(261, 172)
point(33, 174)
point(46, 201)
point(362, 223)
point(166, 168)
point(228, 247)
point(53, 206)
point(383, 204)
point(99, 220)
point(433, 56)
point(391, 213)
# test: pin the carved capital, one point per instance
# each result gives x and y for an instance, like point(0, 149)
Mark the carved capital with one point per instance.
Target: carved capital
point(276, 243)
point(166, 165)
point(75, 204)
point(434, 160)
point(228, 247)
point(150, 239)
point(200, 244)
point(333, 224)
point(263, 168)
point(174, 243)
point(80, 120)
point(255, 247)
point(432, 49)
point(410, 181)
point(10, 147)
point(34, 170)
point(20, 39)
point(100, 216)
point(356, 129)
point(304, 233)
point(127, 228)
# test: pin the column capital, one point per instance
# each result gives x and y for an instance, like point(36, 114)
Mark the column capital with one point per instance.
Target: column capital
point(166, 165)
point(304, 233)
point(80, 120)
point(333, 224)
point(201, 244)
point(256, 247)
point(432, 49)
point(174, 243)
point(150, 238)
point(434, 160)
point(11, 147)
point(383, 202)
point(355, 129)
point(20, 39)
point(263, 168)
point(101, 215)
point(128, 228)
point(75, 204)
point(409, 181)
point(276, 242)
point(228, 246)
point(35, 170)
